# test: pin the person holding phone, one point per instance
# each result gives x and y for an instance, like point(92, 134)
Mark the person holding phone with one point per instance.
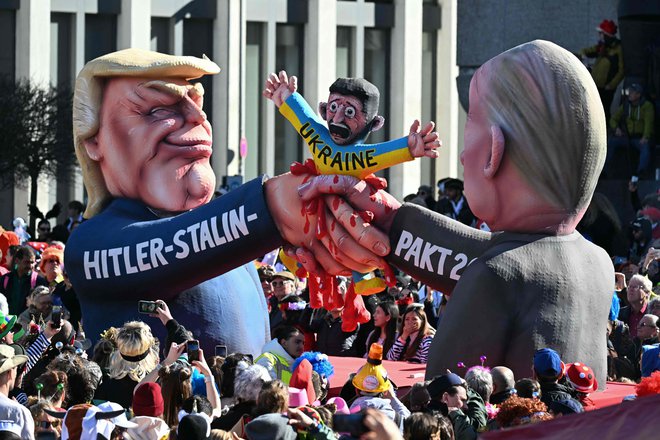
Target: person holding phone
point(136, 355)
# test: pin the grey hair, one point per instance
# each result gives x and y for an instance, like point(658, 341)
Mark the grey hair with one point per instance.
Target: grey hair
point(481, 381)
point(646, 282)
point(249, 380)
point(548, 108)
point(652, 318)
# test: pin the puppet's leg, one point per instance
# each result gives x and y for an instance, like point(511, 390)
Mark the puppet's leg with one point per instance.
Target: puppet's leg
point(368, 283)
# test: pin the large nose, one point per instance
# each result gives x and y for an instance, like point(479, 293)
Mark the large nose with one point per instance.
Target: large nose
point(338, 118)
point(192, 107)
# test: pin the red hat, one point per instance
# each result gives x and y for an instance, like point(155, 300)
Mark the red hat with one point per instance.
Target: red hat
point(301, 378)
point(581, 377)
point(51, 252)
point(607, 27)
point(148, 400)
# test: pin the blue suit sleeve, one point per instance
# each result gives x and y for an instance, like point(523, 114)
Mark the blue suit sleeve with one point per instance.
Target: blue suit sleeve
point(126, 251)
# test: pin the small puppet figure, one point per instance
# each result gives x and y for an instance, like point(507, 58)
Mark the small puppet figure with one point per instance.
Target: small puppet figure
point(351, 114)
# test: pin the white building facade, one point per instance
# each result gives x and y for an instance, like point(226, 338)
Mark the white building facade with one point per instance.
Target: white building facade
point(405, 47)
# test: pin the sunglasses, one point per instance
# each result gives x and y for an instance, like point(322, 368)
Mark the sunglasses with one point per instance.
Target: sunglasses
point(280, 283)
point(46, 424)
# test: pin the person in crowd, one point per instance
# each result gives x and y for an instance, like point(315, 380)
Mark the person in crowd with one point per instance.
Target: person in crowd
point(10, 409)
point(176, 387)
point(528, 388)
point(632, 125)
point(607, 70)
point(425, 192)
point(148, 408)
point(266, 273)
point(50, 266)
point(640, 240)
point(136, 355)
point(247, 386)
point(480, 380)
point(278, 355)
point(293, 309)
point(44, 423)
point(283, 284)
point(518, 411)
point(504, 384)
point(560, 408)
point(449, 396)
point(454, 204)
point(75, 214)
point(83, 377)
point(52, 387)
point(374, 389)
point(654, 307)
point(548, 369)
point(331, 339)
point(414, 337)
point(40, 306)
point(386, 321)
point(583, 380)
point(273, 398)
point(637, 294)
point(65, 295)
point(421, 426)
point(43, 230)
point(322, 371)
point(17, 284)
point(229, 371)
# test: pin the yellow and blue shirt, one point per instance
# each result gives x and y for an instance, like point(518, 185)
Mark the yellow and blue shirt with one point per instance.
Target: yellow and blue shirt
point(358, 160)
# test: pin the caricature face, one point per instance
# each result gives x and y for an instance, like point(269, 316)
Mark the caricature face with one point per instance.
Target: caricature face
point(477, 142)
point(346, 120)
point(154, 143)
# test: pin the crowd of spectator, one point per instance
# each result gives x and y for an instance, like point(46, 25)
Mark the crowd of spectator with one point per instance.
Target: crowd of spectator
point(54, 383)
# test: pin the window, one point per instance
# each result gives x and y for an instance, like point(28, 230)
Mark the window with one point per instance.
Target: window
point(100, 35)
point(61, 61)
point(289, 53)
point(160, 35)
point(344, 52)
point(254, 163)
point(376, 70)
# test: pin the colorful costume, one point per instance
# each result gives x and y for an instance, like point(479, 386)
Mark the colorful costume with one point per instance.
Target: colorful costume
point(358, 160)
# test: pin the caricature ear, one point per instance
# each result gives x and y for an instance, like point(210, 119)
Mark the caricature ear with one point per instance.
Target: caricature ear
point(377, 123)
point(323, 106)
point(496, 152)
point(92, 147)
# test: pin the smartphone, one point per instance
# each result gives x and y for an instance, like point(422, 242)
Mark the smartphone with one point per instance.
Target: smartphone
point(56, 316)
point(192, 347)
point(148, 307)
point(350, 423)
point(221, 350)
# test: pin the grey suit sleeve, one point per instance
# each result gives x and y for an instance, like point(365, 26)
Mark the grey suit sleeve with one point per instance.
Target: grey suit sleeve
point(433, 248)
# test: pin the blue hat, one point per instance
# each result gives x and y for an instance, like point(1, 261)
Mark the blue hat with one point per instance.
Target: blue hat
point(441, 384)
point(547, 363)
point(650, 359)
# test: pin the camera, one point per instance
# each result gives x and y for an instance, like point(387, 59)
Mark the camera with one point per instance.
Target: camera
point(221, 350)
point(56, 316)
point(192, 347)
point(147, 307)
point(350, 423)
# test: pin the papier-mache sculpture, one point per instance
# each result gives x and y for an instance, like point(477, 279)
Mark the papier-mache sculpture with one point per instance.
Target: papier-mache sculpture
point(152, 231)
point(351, 114)
point(535, 143)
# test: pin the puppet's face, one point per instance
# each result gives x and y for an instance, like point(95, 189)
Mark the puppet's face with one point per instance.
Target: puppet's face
point(154, 143)
point(476, 151)
point(346, 120)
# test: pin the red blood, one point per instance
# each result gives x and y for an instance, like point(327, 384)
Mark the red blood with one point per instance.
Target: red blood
point(353, 220)
point(321, 227)
point(367, 216)
point(389, 276)
point(332, 225)
point(335, 180)
point(307, 225)
point(335, 203)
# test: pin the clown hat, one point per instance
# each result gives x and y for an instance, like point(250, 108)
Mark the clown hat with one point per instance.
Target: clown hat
point(6, 324)
point(581, 377)
point(372, 377)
